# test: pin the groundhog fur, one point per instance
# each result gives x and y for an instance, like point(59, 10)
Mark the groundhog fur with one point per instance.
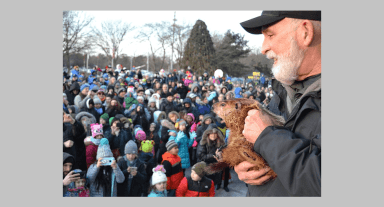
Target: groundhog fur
point(239, 149)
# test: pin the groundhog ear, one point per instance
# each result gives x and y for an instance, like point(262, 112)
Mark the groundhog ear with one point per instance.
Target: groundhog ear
point(238, 105)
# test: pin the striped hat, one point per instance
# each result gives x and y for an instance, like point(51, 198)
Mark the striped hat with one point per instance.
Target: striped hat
point(170, 144)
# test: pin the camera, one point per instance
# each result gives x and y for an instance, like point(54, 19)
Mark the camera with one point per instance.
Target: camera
point(107, 161)
point(120, 125)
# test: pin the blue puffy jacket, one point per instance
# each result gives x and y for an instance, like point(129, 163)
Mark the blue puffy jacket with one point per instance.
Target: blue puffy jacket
point(184, 143)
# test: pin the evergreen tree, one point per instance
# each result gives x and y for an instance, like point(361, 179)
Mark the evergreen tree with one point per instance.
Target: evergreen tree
point(228, 54)
point(199, 51)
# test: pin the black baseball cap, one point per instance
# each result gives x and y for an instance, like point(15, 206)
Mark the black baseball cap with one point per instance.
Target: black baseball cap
point(254, 25)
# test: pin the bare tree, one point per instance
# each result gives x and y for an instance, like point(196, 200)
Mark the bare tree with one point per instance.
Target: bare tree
point(146, 34)
point(110, 36)
point(76, 38)
point(164, 36)
point(182, 32)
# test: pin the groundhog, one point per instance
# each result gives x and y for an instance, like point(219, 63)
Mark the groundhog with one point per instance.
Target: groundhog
point(238, 148)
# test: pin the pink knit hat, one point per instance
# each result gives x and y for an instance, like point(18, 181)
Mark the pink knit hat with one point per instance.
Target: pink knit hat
point(193, 117)
point(140, 135)
point(96, 129)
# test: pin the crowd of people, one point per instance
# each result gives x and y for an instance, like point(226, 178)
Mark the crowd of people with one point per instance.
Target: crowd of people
point(162, 122)
point(125, 134)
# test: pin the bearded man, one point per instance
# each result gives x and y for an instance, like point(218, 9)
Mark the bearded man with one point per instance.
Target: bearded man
point(293, 152)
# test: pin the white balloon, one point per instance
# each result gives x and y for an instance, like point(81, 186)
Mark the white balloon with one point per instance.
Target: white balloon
point(218, 73)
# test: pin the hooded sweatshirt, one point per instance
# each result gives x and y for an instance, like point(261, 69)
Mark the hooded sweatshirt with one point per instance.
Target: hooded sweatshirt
point(68, 158)
point(70, 95)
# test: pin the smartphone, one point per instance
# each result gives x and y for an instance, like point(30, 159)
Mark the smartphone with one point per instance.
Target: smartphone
point(107, 161)
point(78, 171)
point(133, 169)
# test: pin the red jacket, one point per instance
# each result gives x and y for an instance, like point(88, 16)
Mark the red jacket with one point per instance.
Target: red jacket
point(174, 172)
point(189, 188)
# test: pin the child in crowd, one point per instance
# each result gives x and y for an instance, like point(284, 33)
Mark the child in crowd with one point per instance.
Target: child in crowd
point(98, 105)
point(104, 178)
point(149, 161)
point(159, 182)
point(92, 143)
point(184, 140)
point(173, 168)
point(196, 185)
point(80, 189)
point(153, 135)
point(192, 151)
point(134, 172)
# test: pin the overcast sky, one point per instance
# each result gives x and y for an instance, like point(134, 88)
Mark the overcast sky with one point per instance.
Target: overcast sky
point(216, 21)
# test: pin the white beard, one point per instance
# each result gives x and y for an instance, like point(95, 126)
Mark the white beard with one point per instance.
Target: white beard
point(288, 64)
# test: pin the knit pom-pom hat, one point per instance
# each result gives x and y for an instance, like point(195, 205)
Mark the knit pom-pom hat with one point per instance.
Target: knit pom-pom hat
point(158, 175)
point(104, 150)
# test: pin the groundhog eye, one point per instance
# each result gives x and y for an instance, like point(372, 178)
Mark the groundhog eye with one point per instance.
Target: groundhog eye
point(223, 104)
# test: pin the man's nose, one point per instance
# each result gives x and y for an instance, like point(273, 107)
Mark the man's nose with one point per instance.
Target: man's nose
point(265, 47)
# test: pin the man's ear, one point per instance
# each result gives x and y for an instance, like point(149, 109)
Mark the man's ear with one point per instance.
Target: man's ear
point(305, 32)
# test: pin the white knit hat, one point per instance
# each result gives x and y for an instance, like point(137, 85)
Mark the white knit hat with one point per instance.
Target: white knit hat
point(158, 175)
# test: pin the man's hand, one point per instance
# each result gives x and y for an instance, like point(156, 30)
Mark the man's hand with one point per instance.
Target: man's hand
point(70, 178)
point(68, 143)
point(252, 177)
point(172, 134)
point(255, 123)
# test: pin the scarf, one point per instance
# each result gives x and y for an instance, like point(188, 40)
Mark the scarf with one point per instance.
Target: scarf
point(95, 141)
point(130, 164)
point(99, 110)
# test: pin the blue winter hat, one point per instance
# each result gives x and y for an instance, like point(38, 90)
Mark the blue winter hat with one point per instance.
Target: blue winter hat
point(104, 150)
point(86, 85)
point(105, 75)
point(229, 78)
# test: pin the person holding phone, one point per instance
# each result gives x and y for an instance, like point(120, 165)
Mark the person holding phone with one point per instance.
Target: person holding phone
point(134, 172)
point(104, 178)
point(69, 177)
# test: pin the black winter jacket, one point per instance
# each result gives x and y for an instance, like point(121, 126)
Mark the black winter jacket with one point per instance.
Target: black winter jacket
point(77, 134)
point(135, 188)
point(294, 150)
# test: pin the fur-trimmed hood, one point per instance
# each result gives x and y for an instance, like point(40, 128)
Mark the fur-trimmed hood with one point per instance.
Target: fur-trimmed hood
point(207, 116)
point(168, 124)
point(194, 85)
point(220, 140)
point(175, 113)
point(158, 115)
point(80, 115)
point(200, 102)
